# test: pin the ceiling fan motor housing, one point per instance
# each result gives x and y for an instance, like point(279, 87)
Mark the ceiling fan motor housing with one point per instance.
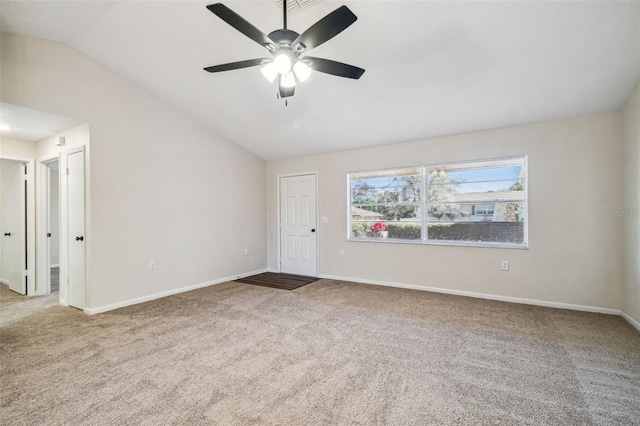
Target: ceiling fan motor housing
point(283, 40)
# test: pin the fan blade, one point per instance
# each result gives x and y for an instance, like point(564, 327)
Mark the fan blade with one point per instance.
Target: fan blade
point(325, 29)
point(242, 25)
point(238, 65)
point(328, 66)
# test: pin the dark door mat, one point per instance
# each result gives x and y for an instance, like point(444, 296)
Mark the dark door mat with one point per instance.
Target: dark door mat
point(281, 281)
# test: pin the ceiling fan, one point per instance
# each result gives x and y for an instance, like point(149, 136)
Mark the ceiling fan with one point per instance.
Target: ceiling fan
point(288, 62)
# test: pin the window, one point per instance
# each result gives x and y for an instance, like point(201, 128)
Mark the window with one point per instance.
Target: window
point(478, 203)
point(483, 210)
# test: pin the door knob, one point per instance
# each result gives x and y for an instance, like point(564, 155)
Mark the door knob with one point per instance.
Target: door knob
point(7, 234)
point(48, 234)
point(313, 229)
point(80, 238)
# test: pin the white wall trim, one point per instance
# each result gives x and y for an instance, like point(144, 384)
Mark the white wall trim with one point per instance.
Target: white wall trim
point(43, 275)
point(3, 281)
point(629, 319)
point(545, 303)
point(105, 308)
point(274, 270)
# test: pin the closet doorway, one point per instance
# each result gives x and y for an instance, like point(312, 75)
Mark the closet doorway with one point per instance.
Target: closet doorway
point(53, 225)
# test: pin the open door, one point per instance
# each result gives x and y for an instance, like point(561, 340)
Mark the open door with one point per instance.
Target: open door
point(14, 224)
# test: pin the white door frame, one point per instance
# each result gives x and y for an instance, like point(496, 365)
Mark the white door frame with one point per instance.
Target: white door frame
point(318, 233)
point(31, 221)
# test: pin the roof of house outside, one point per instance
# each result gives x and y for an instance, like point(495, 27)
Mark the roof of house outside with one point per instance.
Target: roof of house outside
point(355, 211)
point(487, 197)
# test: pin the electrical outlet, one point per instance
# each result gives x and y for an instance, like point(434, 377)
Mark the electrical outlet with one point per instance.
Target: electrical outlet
point(504, 265)
point(152, 265)
point(340, 253)
point(246, 252)
point(325, 219)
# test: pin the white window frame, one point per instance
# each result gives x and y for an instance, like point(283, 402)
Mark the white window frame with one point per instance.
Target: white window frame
point(424, 207)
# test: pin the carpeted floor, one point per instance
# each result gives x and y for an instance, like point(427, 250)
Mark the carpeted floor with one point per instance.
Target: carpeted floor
point(328, 353)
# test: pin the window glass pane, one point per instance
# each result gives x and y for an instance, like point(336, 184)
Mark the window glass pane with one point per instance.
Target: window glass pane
point(386, 186)
point(480, 201)
point(386, 204)
point(395, 230)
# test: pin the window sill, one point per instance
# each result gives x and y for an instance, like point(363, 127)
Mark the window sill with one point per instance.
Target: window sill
point(478, 244)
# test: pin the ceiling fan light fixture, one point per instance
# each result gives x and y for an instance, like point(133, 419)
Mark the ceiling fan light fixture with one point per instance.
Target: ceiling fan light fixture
point(269, 72)
point(288, 80)
point(302, 71)
point(282, 63)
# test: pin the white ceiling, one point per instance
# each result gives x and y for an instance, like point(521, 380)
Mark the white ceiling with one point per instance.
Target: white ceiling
point(31, 125)
point(432, 67)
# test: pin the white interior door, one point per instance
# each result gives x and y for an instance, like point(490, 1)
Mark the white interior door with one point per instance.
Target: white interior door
point(14, 220)
point(298, 236)
point(76, 228)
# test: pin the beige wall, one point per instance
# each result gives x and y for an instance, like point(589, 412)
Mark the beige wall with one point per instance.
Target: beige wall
point(631, 205)
point(163, 186)
point(76, 136)
point(574, 254)
point(10, 147)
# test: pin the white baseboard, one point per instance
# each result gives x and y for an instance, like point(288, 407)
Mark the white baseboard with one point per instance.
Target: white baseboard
point(629, 319)
point(535, 302)
point(3, 281)
point(274, 270)
point(105, 308)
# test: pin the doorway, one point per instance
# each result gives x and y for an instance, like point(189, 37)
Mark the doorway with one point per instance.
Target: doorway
point(61, 227)
point(298, 225)
point(53, 225)
point(50, 142)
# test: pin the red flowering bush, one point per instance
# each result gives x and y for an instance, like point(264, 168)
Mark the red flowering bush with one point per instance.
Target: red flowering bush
point(378, 227)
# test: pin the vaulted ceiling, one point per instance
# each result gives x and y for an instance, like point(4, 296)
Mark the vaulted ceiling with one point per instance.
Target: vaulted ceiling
point(432, 67)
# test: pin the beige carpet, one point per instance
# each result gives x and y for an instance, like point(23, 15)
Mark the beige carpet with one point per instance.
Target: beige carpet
point(328, 353)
